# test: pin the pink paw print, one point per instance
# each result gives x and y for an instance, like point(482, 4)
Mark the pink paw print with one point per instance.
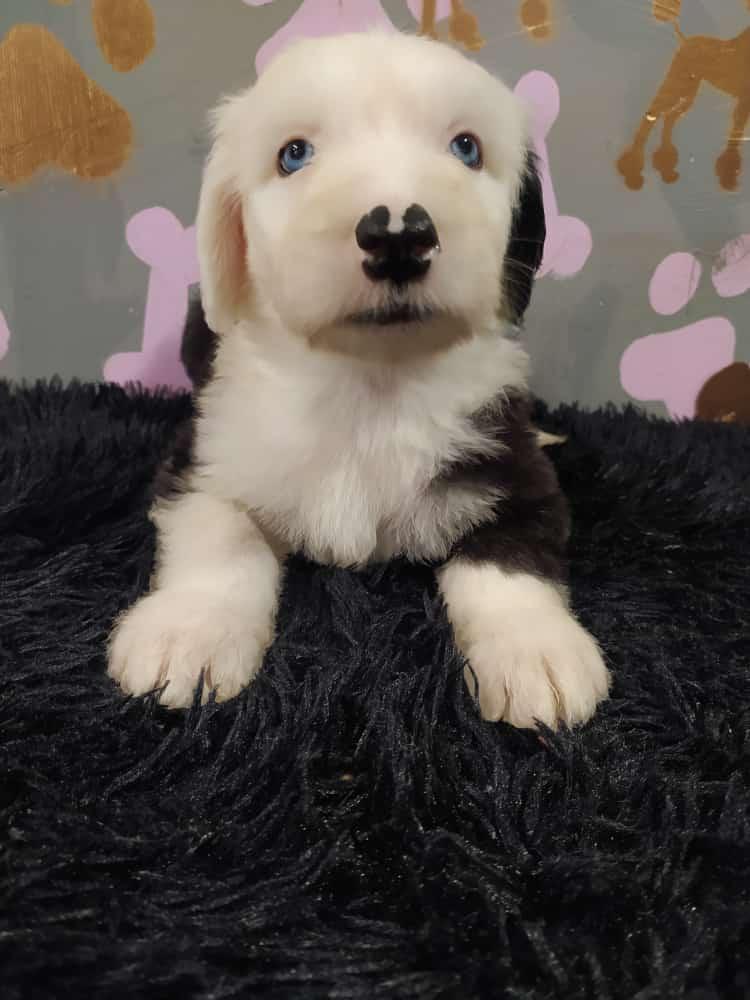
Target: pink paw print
point(568, 243)
point(673, 367)
point(315, 18)
point(159, 239)
point(4, 336)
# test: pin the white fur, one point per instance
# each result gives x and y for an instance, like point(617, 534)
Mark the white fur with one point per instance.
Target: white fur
point(325, 435)
point(211, 607)
point(342, 452)
point(532, 661)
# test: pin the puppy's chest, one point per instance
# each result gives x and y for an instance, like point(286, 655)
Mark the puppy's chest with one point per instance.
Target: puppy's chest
point(359, 476)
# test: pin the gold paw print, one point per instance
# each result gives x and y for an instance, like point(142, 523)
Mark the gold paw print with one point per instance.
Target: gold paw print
point(463, 25)
point(54, 114)
point(537, 18)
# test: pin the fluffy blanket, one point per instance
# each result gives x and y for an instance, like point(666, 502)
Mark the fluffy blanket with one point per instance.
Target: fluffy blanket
point(349, 827)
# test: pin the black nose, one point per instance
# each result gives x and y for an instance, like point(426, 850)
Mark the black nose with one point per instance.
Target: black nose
point(398, 257)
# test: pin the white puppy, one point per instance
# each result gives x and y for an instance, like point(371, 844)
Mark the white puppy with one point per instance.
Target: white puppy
point(369, 227)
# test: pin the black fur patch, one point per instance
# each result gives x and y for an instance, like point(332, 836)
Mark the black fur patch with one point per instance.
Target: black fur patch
point(525, 250)
point(171, 479)
point(197, 353)
point(530, 532)
point(199, 344)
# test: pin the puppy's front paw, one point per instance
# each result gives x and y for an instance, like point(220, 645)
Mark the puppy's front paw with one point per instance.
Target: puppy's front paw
point(170, 636)
point(537, 667)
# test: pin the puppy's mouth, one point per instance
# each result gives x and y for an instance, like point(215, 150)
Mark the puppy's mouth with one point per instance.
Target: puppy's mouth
point(391, 315)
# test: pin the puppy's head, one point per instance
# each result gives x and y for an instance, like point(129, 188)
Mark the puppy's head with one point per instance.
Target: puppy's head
point(370, 184)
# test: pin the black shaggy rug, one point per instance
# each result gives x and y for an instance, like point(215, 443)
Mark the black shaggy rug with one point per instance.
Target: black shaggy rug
point(349, 827)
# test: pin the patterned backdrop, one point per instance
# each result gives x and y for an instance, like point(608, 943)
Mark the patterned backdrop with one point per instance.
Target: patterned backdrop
point(640, 111)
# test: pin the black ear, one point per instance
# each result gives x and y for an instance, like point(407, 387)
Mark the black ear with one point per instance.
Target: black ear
point(198, 348)
point(526, 244)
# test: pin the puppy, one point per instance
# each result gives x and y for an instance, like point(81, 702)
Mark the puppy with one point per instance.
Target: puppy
point(369, 226)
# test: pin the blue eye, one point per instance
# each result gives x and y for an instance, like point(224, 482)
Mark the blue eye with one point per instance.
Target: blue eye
point(295, 155)
point(466, 147)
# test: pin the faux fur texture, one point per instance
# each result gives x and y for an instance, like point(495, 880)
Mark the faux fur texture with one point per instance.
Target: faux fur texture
point(348, 827)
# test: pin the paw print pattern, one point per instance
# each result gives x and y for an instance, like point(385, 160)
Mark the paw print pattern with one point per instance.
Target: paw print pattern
point(4, 336)
point(568, 243)
point(731, 273)
point(125, 31)
point(448, 18)
point(676, 367)
point(158, 238)
point(315, 18)
point(54, 114)
point(726, 395)
point(537, 18)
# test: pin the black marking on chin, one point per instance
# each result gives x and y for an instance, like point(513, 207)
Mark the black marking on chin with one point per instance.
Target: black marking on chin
point(523, 255)
point(530, 529)
point(391, 315)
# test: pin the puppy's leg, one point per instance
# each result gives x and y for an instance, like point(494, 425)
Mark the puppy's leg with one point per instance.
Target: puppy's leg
point(506, 599)
point(211, 608)
point(531, 658)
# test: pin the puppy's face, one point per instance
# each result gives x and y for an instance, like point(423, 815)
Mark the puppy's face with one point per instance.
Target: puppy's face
point(370, 183)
